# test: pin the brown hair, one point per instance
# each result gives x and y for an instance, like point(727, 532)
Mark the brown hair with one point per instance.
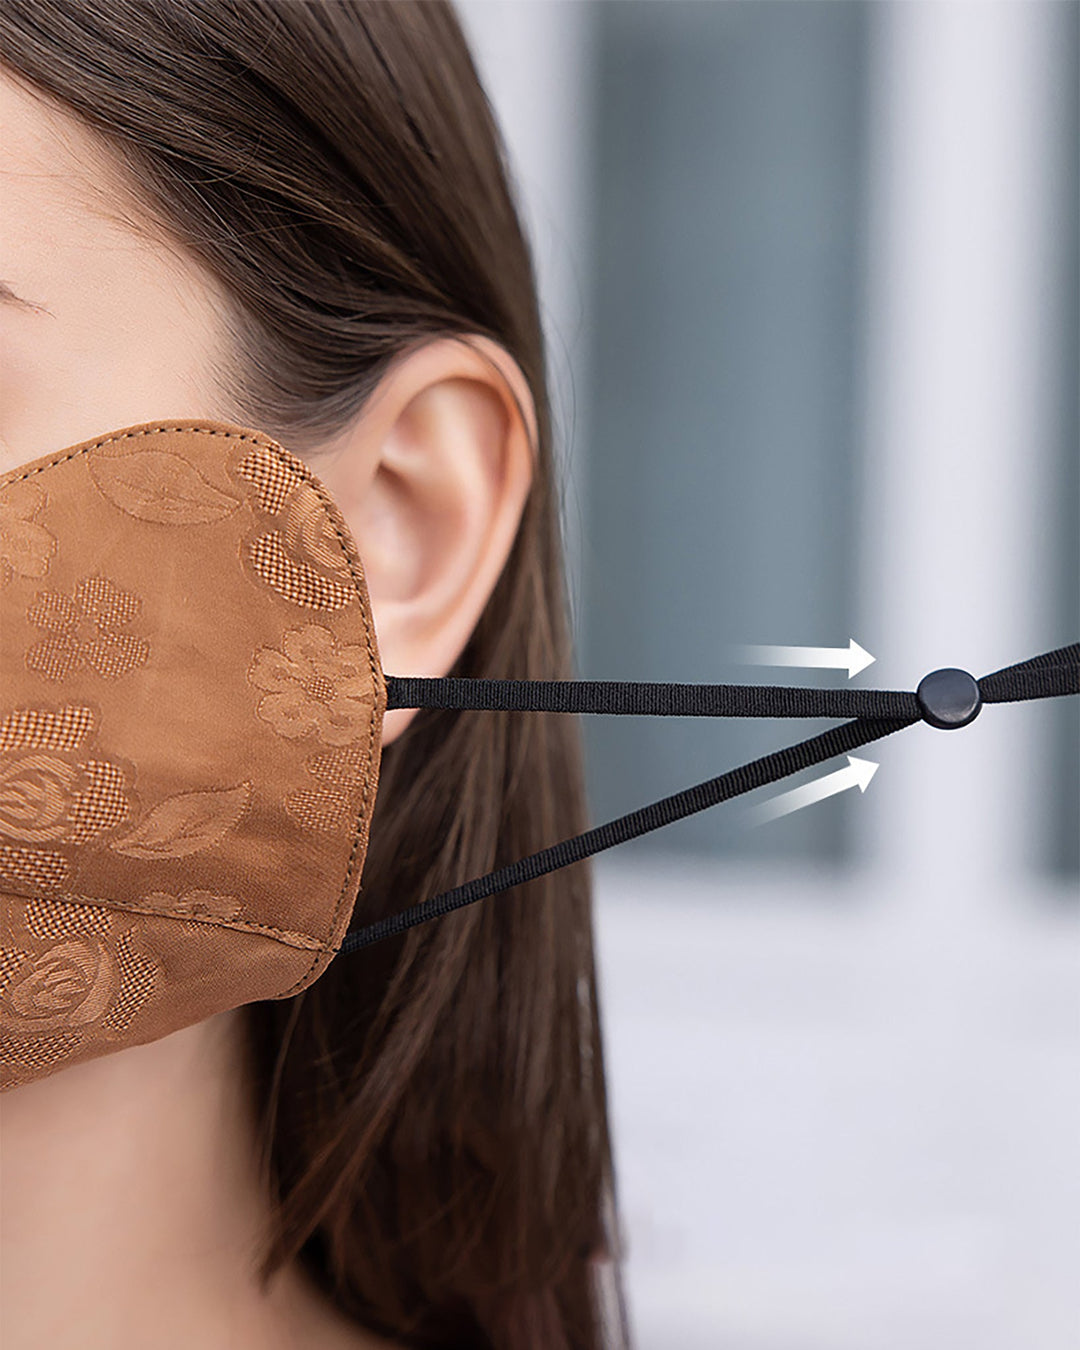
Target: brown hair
point(432, 1112)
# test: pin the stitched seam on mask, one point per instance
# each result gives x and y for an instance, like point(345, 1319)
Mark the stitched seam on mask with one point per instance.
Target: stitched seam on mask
point(264, 441)
point(306, 473)
point(287, 937)
point(364, 817)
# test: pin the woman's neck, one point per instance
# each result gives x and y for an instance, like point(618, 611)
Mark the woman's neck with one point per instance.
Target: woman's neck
point(131, 1211)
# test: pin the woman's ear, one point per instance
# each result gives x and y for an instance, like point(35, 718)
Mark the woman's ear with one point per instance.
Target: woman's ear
point(432, 477)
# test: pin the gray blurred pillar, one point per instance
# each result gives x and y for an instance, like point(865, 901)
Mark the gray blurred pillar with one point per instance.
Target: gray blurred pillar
point(972, 355)
point(725, 258)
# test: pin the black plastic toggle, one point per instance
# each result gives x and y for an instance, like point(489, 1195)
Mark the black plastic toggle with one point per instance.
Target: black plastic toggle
point(949, 698)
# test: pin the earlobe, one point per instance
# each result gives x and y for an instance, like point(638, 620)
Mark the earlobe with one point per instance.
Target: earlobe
point(432, 479)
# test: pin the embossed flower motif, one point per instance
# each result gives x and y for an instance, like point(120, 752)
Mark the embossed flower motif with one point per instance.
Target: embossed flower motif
point(309, 534)
point(314, 687)
point(25, 545)
point(340, 771)
point(69, 985)
point(52, 793)
point(86, 630)
point(44, 799)
point(37, 793)
point(194, 904)
point(303, 560)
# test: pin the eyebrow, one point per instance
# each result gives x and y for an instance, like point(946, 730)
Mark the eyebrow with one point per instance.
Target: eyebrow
point(8, 296)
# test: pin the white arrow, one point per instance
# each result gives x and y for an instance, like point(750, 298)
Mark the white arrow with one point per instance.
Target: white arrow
point(857, 774)
point(851, 658)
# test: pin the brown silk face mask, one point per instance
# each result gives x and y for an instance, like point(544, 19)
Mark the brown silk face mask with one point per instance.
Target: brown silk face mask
point(191, 706)
point(191, 702)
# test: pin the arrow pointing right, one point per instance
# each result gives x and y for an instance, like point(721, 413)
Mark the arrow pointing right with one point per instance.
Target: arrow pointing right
point(851, 658)
point(857, 774)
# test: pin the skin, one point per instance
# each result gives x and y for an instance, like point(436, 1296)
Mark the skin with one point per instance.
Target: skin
point(130, 1212)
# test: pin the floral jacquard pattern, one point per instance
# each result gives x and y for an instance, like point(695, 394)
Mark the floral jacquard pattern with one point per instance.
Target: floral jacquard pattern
point(186, 823)
point(45, 799)
point(157, 486)
point(31, 869)
point(195, 904)
point(301, 558)
point(314, 687)
point(84, 976)
point(71, 984)
point(52, 792)
point(85, 630)
point(196, 910)
point(326, 808)
point(49, 793)
point(26, 546)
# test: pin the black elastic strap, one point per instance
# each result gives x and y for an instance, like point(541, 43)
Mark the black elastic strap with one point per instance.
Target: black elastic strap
point(651, 700)
point(878, 713)
point(835, 741)
point(1045, 676)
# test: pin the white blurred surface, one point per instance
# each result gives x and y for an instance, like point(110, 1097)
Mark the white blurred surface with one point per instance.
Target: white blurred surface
point(830, 1134)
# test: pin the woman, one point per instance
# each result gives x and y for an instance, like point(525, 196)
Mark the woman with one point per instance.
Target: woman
point(294, 217)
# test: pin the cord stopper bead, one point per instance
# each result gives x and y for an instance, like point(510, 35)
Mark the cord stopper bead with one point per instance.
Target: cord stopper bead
point(949, 698)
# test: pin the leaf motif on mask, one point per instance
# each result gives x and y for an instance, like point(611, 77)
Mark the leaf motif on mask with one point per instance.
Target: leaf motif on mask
point(186, 823)
point(26, 546)
point(161, 487)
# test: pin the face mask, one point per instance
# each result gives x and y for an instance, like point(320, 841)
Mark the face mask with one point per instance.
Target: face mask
point(191, 705)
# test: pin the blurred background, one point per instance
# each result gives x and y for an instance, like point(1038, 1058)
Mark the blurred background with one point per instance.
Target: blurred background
point(810, 281)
